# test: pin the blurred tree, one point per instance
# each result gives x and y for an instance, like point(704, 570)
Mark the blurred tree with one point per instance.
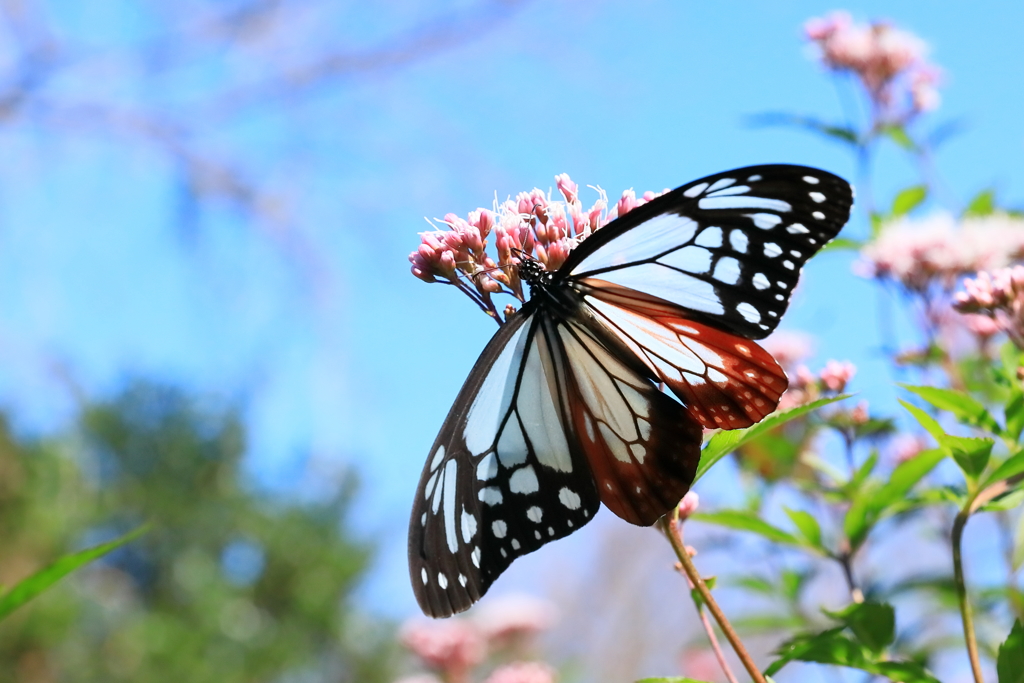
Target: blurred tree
point(228, 586)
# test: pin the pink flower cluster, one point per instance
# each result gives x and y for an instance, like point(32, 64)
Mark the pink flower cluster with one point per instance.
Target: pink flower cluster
point(455, 647)
point(939, 249)
point(998, 295)
point(532, 225)
point(889, 62)
point(807, 386)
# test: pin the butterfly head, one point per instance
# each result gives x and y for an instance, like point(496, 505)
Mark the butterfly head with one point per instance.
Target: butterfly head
point(533, 271)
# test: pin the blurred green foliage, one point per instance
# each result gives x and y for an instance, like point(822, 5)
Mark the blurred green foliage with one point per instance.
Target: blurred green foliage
point(228, 585)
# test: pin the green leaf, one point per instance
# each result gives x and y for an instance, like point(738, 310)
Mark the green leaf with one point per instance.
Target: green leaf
point(842, 244)
point(873, 623)
point(971, 454)
point(1006, 501)
point(1010, 662)
point(32, 586)
point(1010, 467)
point(877, 223)
point(843, 134)
point(924, 419)
point(967, 409)
point(983, 204)
point(807, 525)
point(871, 506)
point(908, 199)
point(1014, 414)
point(725, 442)
point(746, 521)
point(833, 647)
point(898, 134)
point(864, 471)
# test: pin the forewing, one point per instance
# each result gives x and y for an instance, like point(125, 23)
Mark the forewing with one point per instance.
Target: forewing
point(725, 381)
point(727, 248)
point(643, 446)
point(505, 475)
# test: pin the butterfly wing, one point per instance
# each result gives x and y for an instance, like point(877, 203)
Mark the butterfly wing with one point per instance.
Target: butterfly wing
point(726, 249)
point(504, 476)
point(549, 425)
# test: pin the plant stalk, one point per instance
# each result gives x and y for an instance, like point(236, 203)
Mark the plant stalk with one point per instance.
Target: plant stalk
point(691, 572)
point(965, 608)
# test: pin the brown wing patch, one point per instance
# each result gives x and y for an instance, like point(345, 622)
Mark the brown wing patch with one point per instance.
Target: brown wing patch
point(643, 447)
point(725, 381)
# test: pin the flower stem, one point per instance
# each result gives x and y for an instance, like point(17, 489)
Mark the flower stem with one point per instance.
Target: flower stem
point(961, 589)
point(709, 600)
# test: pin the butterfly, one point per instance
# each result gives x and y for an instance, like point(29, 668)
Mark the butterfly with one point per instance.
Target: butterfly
point(565, 408)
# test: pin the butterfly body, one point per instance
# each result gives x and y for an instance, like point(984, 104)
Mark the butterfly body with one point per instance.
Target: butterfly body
point(564, 411)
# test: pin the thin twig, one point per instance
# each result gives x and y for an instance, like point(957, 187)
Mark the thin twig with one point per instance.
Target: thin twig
point(961, 589)
point(709, 600)
point(715, 647)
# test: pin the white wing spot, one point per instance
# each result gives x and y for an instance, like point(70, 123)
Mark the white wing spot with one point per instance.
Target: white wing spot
point(442, 580)
point(488, 468)
point(795, 253)
point(782, 284)
point(748, 312)
point(797, 229)
point(463, 580)
point(515, 544)
point(819, 215)
point(811, 179)
point(536, 535)
point(738, 240)
point(639, 452)
point(727, 270)
point(569, 522)
point(738, 189)
point(722, 182)
point(499, 528)
point(503, 553)
point(423, 519)
point(744, 202)
point(428, 490)
point(779, 297)
point(468, 526)
point(438, 457)
point(761, 282)
point(569, 498)
point(589, 424)
point(475, 556)
point(817, 197)
point(771, 250)
point(551, 531)
point(743, 349)
point(645, 429)
point(789, 264)
point(695, 190)
point(765, 221)
point(710, 237)
point(691, 259)
point(423, 575)
point(716, 376)
point(535, 514)
point(753, 178)
point(490, 495)
point(523, 480)
point(451, 473)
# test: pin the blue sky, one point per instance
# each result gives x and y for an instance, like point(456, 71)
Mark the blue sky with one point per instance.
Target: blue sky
point(341, 358)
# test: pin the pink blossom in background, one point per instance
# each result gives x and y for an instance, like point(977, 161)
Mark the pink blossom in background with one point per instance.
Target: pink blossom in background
point(453, 647)
point(701, 665)
point(998, 295)
point(889, 62)
point(837, 374)
point(906, 447)
point(420, 678)
point(939, 249)
point(789, 348)
point(523, 672)
point(511, 617)
point(688, 505)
